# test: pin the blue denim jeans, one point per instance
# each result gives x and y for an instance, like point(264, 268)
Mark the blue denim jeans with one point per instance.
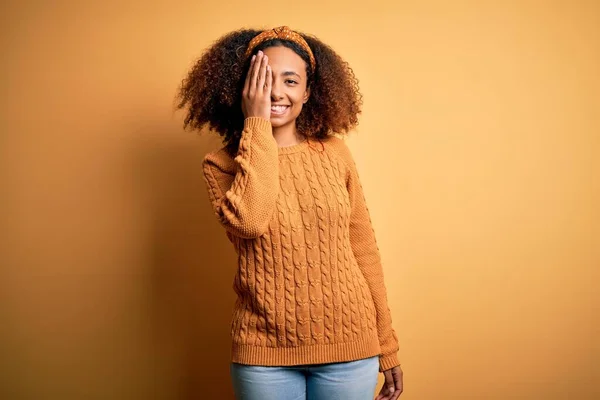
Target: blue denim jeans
point(354, 380)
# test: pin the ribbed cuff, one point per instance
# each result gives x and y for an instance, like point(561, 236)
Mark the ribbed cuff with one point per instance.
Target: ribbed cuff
point(258, 133)
point(257, 123)
point(388, 362)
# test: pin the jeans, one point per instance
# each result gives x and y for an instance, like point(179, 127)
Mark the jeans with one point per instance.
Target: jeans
point(354, 380)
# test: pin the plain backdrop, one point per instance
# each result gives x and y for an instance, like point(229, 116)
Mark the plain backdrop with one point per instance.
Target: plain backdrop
point(477, 148)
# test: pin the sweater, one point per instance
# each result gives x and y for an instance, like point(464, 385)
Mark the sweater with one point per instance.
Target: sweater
point(309, 282)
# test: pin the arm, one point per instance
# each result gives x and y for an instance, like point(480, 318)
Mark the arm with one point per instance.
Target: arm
point(366, 252)
point(243, 196)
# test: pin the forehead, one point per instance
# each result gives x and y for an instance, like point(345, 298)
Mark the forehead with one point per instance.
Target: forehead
point(283, 58)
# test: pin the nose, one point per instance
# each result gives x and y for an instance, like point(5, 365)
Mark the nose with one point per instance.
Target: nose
point(275, 90)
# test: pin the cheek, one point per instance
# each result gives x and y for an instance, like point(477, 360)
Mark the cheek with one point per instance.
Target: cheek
point(298, 96)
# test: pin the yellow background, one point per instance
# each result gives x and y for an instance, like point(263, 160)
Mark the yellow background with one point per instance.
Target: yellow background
point(477, 148)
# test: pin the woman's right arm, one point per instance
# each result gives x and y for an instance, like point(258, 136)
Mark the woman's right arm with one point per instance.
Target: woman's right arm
point(243, 195)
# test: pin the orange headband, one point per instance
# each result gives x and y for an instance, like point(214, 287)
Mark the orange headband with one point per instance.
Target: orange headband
point(283, 33)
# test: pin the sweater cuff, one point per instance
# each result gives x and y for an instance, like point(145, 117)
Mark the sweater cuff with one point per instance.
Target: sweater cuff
point(388, 362)
point(257, 122)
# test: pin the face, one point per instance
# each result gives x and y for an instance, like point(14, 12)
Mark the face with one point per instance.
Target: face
point(289, 91)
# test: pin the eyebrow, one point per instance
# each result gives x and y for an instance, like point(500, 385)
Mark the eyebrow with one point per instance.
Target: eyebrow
point(289, 73)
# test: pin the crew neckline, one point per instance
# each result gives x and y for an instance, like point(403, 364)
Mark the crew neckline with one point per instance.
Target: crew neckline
point(294, 148)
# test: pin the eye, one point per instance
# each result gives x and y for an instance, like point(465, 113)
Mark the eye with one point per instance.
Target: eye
point(291, 81)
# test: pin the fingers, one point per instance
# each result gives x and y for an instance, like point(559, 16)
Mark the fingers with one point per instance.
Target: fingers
point(256, 95)
point(269, 83)
point(381, 396)
point(388, 389)
point(262, 72)
point(398, 383)
point(247, 83)
point(255, 70)
point(389, 385)
point(257, 73)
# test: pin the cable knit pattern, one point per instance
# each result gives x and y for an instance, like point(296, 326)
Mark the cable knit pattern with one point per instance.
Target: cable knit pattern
point(309, 284)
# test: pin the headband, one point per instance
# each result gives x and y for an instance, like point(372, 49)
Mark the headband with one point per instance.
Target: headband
point(283, 33)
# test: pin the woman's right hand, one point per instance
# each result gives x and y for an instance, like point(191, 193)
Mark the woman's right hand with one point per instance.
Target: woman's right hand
point(256, 96)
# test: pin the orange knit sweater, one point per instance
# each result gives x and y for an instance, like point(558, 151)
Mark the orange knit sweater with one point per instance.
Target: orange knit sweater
point(309, 281)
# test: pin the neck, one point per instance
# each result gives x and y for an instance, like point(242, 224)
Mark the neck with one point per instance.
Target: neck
point(287, 135)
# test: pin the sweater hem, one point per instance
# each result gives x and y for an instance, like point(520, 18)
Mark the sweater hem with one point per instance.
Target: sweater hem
point(305, 355)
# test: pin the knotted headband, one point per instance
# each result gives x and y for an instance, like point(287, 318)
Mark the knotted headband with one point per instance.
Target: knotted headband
point(283, 33)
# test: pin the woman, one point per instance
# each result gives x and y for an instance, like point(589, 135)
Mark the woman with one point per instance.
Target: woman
point(311, 320)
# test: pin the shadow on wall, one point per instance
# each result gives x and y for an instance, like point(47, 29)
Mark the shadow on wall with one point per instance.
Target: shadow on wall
point(192, 268)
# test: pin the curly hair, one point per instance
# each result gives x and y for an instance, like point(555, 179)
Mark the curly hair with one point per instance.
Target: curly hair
point(212, 89)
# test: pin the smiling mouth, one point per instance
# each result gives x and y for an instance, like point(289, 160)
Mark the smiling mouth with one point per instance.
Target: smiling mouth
point(278, 110)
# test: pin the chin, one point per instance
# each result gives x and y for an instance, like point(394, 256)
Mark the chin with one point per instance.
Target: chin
point(279, 122)
point(275, 123)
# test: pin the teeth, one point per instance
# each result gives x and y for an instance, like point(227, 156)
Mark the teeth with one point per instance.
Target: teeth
point(278, 108)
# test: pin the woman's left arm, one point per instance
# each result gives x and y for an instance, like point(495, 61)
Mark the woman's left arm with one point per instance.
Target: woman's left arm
point(366, 252)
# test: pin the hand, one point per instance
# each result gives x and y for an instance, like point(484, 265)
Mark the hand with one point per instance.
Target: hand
point(256, 96)
point(393, 385)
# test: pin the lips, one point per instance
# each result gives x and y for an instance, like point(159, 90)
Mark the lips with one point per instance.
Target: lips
point(279, 109)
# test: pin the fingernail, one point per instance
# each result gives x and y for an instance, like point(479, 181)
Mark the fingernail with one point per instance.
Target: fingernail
point(391, 389)
point(253, 57)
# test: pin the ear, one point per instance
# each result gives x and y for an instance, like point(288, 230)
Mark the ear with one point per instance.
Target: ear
point(306, 95)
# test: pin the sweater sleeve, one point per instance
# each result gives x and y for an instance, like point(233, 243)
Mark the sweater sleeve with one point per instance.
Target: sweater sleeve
point(366, 253)
point(243, 193)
